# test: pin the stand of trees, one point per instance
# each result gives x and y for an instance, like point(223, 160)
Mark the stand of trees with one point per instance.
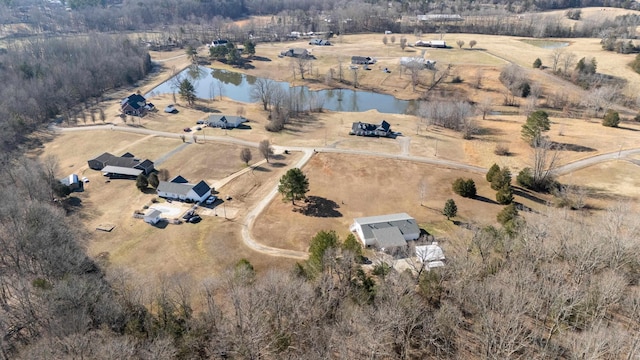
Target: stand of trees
point(45, 78)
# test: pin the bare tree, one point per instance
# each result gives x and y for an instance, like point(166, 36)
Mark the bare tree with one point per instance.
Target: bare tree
point(403, 43)
point(600, 98)
point(261, 90)
point(568, 61)
point(340, 74)
point(544, 159)
point(484, 106)
point(245, 155)
point(472, 43)
point(393, 39)
point(476, 80)
point(460, 43)
point(265, 149)
point(556, 55)
point(355, 76)
point(385, 40)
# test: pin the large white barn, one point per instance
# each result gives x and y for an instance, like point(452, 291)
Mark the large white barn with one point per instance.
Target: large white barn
point(386, 231)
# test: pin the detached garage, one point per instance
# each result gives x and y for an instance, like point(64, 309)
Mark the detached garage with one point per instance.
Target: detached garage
point(153, 216)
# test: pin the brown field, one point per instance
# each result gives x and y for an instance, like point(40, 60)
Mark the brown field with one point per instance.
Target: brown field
point(347, 186)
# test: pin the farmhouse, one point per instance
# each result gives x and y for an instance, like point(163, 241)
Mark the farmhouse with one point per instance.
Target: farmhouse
point(153, 216)
point(134, 104)
point(121, 166)
point(362, 60)
point(184, 191)
point(296, 52)
point(417, 61)
point(431, 254)
point(225, 121)
point(365, 129)
point(386, 231)
point(432, 43)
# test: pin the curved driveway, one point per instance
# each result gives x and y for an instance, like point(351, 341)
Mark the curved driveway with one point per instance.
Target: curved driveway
point(308, 153)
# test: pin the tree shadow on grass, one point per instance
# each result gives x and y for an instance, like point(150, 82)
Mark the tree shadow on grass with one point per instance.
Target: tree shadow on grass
point(317, 206)
point(277, 164)
point(161, 224)
point(260, 169)
point(484, 199)
point(260, 58)
point(571, 147)
point(527, 195)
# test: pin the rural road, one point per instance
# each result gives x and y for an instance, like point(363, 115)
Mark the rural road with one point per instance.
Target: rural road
point(308, 153)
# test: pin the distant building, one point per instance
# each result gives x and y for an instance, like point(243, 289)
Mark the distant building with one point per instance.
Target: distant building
point(432, 43)
point(439, 17)
point(72, 182)
point(386, 231)
point(364, 129)
point(219, 42)
point(296, 52)
point(134, 104)
point(362, 60)
point(418, 61)
point(225, 121)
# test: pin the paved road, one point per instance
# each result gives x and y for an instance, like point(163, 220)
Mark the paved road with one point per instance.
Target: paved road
point(308, 153)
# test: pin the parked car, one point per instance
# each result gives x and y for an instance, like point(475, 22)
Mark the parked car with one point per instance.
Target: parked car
point(188, 215)
point(187, 129)
point(195, 219)
point(211, 200)
point(198, 128)
point(200, 122)
point(171, 109)
point(85, 180)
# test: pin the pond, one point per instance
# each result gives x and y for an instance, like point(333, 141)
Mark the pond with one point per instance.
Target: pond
point(210, 83)
point(546, 44)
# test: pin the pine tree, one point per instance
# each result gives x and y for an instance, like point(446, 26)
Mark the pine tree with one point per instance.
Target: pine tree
point(450, 209)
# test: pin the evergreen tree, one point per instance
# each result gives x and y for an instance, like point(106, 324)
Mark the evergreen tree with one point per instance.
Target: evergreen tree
point(537, 64)
point(141, 182)
point(187, 91)
point(450, 209)
point(611, 119)
point(293, 185)
point(537, 123)
point(153, 180)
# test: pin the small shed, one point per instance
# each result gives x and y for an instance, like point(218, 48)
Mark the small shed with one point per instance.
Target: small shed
point(431, 255)
point(72, 182)
point(153, 216)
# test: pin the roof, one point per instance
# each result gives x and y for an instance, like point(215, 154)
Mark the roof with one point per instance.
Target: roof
point(226, 119)
point(103, 157)
point(405, 223)
point(136, 101)
point(201, 188)
point(179, 179)
point(174, 188)
point(145, 164)
point(429, 253)
point(388, 237)
point(153, 213)
point(128, 155)
point(122, 162)
point(111, 169)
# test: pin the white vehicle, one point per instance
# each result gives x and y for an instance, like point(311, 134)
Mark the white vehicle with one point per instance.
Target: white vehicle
point(211, 200)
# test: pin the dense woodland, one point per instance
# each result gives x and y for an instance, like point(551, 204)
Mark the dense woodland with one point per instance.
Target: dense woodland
point(558, 285)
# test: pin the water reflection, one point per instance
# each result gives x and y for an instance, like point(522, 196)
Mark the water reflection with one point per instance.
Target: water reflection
point(210, 83)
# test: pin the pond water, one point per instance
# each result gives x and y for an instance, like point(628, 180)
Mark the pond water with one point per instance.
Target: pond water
point(209, 83)
point(546, 44)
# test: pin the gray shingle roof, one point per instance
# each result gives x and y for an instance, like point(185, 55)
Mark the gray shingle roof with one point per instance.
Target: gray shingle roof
point(389, 237)
point(405, 223)
point(174, 188)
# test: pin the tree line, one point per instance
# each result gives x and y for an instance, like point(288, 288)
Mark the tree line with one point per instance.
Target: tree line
point(45, 78)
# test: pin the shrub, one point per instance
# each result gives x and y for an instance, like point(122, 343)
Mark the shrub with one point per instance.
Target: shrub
point(501, 179)
point(508, 214)
point(504, 196)
point(525, 178)
point(493, 170)
point(456, 80)
point(501, 150)
point(537, 64)
point(464, 187)
point(525, 90)
point(611, 119)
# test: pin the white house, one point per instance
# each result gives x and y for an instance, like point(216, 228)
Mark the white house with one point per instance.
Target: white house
point(386, 231)
point(153, 216)
point(183, 191)
point(431, 255)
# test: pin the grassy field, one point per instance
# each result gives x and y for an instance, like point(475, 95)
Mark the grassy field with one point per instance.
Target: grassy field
point(342, 187)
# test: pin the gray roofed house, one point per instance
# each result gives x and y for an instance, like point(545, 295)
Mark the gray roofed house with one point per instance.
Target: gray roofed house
point(367, 228)
point(296, 52)
point(225, 121)
point(127, 160)
point(134, 104)
point(183, 191)
point(365, 129)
